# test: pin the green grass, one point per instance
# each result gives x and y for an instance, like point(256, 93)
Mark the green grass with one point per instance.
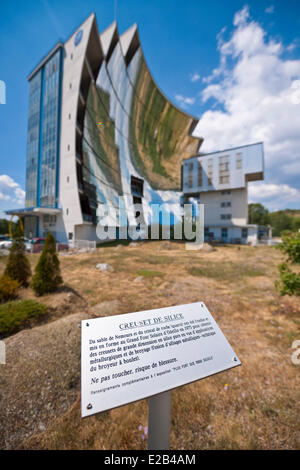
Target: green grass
point(16, 314)
point(149, 274)
point(226, 271)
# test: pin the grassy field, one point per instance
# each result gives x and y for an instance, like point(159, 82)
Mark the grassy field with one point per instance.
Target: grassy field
point(255, 406)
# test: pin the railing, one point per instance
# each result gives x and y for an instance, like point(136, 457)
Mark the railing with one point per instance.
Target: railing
point(86, 245)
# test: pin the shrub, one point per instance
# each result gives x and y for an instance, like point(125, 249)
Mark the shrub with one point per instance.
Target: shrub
point(15, 314)
point(290, 246)
point(289, 283)
point(47, 277)
point(8, 288)
point(18, 266)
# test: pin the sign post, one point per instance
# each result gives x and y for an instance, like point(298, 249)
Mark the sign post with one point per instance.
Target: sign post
point(159, 421)
point(130, 357)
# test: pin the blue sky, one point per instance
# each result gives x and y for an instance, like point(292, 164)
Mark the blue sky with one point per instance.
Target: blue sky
point(235, 65)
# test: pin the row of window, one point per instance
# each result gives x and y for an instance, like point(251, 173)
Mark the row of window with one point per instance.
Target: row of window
point(224, 233)
point(224, 170)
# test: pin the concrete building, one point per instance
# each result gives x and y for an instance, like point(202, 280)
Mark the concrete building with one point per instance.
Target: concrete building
point(219, 180)
point(99, 128)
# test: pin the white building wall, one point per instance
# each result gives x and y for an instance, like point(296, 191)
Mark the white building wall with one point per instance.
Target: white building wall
point(213, 207)
point(68, 188)
point(252, 163)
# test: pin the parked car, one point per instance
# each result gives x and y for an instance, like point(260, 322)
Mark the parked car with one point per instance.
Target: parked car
point(6, 244)
point(4, 238)
point(35, 245)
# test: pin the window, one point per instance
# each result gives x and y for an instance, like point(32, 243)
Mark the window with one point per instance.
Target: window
point(224, 193)
point(70, 236)
point(239, 161)
point(225, 216)
point(210, 172)
point(190, 175)
point(68, 147)
point(71, 56)
point(226, 204)
point(200, 174)
point(224, 169)
point(69, 116)
point(137, 186)
point(244, 233)
point(68, 179)
point(67, 211)
point(224, 233)
point(49, 219)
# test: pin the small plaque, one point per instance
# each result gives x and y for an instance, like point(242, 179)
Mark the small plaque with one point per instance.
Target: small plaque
point(125, 358)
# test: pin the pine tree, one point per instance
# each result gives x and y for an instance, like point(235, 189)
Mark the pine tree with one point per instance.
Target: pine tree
point(18, 266)
point(47, 277)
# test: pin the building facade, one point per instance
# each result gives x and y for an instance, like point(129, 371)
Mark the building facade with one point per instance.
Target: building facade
point(99, 128)
point(219, 180)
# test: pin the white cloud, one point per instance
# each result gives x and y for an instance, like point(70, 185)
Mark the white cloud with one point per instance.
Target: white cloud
point(185, 101)
point(255, 87)
point(7, 181)
point(11, 191)
point(270, 9)
point(4, 197)
point(194, 77)
point(274, 196)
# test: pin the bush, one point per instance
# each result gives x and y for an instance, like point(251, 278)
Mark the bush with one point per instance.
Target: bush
point(18, 266)
point(289, 283)
point(8, 288)
point(47, 276)
point(14, 315)
point(290, 246)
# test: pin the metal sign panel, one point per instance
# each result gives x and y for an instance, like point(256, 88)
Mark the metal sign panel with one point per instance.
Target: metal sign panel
point(129, 357)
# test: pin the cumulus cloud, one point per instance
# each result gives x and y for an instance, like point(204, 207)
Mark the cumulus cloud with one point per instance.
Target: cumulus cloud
point(194, 77)
point(257, 91)
point(270, 9)
point(274, 196)
point(185, 101)
point(11, 191)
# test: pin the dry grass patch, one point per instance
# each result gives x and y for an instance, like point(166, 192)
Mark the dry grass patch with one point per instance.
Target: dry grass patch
point(260, 406)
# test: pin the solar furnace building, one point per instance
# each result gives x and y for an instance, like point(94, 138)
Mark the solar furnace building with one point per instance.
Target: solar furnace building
point(99, 128)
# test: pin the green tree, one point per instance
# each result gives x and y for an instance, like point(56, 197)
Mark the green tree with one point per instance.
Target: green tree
point(258, 214)
point(290, 246)
point(18, 266)
point(47, 277)
point(280, 221)
point(4, 226)
point(289, 283)
point(296, 224)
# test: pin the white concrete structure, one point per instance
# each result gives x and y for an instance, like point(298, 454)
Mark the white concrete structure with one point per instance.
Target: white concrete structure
point(219, 180)
point(99, 128)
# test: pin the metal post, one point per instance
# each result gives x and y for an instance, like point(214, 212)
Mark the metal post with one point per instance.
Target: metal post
point(159, 421)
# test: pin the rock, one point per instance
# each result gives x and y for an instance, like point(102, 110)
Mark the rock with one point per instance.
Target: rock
point(133, 244)
point(104, 267)
point(138, 279)
point(109, 307)
point(41, 363)
point(208, 248)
